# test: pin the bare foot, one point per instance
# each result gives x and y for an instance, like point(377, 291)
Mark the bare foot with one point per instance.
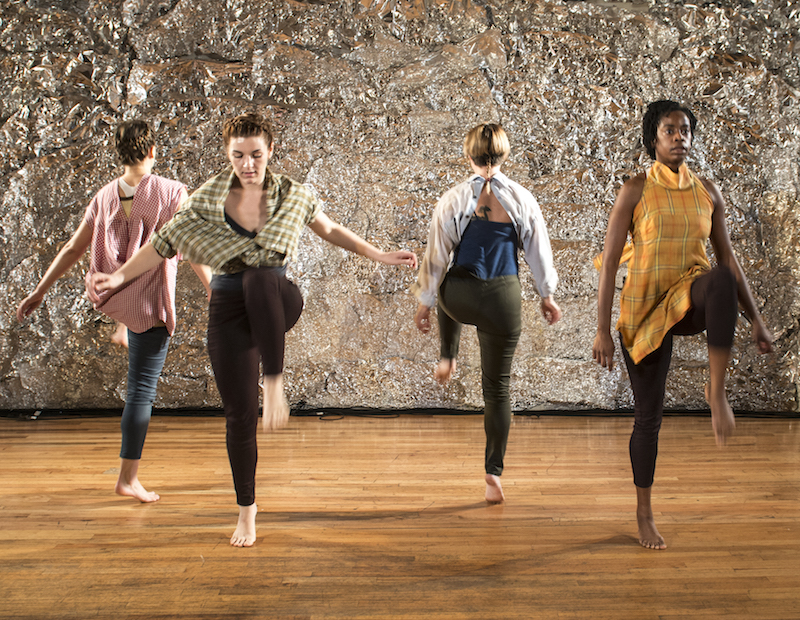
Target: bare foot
point(245, 533)
point(120, 336)
point(275, 406)
point(135, 489)
point(494, 490)
point(444, 370)
point(128, 482)
point(722, 420)
point(649, 537)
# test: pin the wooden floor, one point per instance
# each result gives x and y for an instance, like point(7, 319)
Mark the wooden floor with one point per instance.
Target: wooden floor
point(384, 518)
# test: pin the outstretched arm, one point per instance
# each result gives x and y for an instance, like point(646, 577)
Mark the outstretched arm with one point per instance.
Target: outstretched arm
point(345, 238)
point(721, 240)
point(145, 259)
point(619, 223)
point(63, 262)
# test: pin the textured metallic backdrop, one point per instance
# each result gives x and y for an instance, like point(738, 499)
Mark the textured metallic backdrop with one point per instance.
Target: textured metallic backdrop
point(371, 101)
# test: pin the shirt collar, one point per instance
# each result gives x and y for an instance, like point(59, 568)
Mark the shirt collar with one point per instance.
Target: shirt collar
point(664, 176)
point(477, 182)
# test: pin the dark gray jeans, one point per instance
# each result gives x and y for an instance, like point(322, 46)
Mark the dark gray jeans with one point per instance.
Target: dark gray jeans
point(146, 354)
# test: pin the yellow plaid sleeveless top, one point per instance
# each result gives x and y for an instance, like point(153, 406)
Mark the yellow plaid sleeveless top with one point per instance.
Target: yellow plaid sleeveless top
point(670, 228)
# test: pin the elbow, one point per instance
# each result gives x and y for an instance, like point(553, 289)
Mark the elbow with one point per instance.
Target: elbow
point(323, 230)
point(72, 252)
point(332, 230)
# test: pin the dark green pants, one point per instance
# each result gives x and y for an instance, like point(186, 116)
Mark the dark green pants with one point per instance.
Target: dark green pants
point(494, 307)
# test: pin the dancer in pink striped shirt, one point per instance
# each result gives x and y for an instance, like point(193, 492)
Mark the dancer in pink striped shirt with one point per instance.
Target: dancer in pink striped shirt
point(119, 220)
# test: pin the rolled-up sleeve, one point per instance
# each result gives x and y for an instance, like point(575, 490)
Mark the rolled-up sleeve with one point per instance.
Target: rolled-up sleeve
point(161, 239)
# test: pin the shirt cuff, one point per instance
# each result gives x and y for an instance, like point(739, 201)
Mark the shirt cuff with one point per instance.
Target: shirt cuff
point(164, 249)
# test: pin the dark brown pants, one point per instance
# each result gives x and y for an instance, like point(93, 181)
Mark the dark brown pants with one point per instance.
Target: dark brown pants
point(245, 327)
point(714, 310)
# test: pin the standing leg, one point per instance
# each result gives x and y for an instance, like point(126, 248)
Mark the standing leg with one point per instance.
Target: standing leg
point(146, 354)
point(648, 381)
point(497, 353)
point(234, 359)
point(498, 333)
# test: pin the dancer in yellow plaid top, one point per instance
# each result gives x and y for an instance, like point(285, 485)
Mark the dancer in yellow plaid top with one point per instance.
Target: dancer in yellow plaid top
point(670, 289)
point(671, 225)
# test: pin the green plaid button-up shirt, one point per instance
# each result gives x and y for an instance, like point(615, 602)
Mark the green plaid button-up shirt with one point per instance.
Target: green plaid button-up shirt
point(199, 230)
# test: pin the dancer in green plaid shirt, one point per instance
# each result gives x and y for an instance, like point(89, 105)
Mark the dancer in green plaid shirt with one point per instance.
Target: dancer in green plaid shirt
point(245, 223)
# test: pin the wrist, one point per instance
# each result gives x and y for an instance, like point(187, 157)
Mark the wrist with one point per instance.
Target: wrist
point(374, 254)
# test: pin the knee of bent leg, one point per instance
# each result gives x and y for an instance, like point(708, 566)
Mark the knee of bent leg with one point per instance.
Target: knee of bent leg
point(725, 280)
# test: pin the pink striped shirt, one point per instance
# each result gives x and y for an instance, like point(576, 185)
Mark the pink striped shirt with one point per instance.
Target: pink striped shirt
point(149, 300)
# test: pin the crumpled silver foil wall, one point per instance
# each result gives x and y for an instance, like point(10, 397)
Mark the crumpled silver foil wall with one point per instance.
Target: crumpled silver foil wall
point(371, 101)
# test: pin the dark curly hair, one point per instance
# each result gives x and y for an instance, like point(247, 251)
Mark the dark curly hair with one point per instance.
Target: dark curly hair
point(246, 126)
point(133, 141)
point(655, 112)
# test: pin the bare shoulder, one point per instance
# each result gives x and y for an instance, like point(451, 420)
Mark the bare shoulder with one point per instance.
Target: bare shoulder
point(710, 186)
point(631, 191)
point(713, 192)
point(635, 183)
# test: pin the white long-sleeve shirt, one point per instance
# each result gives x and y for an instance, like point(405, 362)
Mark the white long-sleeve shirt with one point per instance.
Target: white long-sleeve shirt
point(451, 217)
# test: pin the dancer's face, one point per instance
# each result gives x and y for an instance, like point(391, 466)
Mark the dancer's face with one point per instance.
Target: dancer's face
point(249, 158)
point(673, 139)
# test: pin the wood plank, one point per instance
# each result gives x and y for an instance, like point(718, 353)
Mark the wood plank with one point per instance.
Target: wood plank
point(384, 518)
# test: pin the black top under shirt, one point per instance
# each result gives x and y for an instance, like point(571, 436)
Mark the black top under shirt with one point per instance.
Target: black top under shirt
point(238, 228)
point(233, 281)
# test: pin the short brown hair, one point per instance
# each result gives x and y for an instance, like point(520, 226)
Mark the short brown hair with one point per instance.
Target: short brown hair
point(246, 126)
point(487, 145)
point(133, 141)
